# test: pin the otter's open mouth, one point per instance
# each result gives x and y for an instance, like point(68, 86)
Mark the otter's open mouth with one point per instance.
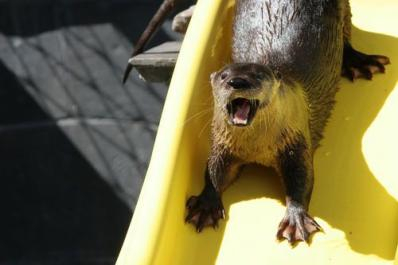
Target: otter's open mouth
point(241, 111)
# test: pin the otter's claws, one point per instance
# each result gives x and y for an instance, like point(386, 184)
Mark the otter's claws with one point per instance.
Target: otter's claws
point(204, 210)
point(297, 225)
point(357, 64)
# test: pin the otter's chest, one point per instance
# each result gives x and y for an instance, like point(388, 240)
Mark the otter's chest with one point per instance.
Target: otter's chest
point(256, 147)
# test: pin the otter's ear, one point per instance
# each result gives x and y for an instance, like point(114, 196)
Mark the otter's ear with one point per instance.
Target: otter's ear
point(212, 75)
point(277, 75)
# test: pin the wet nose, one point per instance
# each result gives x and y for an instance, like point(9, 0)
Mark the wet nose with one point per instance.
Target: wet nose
point(239, 83)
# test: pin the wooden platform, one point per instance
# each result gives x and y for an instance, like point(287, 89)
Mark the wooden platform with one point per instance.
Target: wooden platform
point(157, 64)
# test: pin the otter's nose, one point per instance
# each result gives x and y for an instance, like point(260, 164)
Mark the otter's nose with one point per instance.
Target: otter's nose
point(239, 83)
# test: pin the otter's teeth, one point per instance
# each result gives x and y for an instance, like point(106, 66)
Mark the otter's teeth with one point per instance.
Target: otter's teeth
point(239, 121)
point(241, 116)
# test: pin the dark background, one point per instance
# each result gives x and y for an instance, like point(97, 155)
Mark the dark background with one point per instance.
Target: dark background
point(74, 142)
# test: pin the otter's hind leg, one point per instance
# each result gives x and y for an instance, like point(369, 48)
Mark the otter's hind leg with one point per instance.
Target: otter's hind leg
point(295, 166)
point(355, 63)
point(207, 208)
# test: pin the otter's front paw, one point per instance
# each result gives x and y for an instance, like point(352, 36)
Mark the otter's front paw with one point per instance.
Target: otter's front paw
point(357, 64)
point(297, 225)
point(204, 210)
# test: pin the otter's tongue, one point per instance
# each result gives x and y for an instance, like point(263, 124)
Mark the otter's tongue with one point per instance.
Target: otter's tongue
point(241, 115)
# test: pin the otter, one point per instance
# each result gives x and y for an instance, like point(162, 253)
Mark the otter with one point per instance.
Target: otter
point(273, 102)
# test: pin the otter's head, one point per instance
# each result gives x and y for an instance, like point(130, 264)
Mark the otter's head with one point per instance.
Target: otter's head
point(241, 90)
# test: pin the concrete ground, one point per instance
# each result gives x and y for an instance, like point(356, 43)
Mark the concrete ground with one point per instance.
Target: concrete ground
point(74, 142)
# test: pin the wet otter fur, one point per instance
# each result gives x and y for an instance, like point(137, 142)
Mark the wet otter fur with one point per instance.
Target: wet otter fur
point(272, 104)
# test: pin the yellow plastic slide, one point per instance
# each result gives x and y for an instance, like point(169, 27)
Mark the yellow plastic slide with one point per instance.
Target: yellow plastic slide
point(355, 197)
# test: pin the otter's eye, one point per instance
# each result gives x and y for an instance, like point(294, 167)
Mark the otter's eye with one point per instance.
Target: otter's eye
point(224, 75)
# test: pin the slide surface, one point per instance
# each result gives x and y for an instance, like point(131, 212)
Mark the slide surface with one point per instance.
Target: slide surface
point(355, 197)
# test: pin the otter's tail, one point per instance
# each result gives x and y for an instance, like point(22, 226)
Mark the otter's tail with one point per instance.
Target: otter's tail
point(157, 20)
